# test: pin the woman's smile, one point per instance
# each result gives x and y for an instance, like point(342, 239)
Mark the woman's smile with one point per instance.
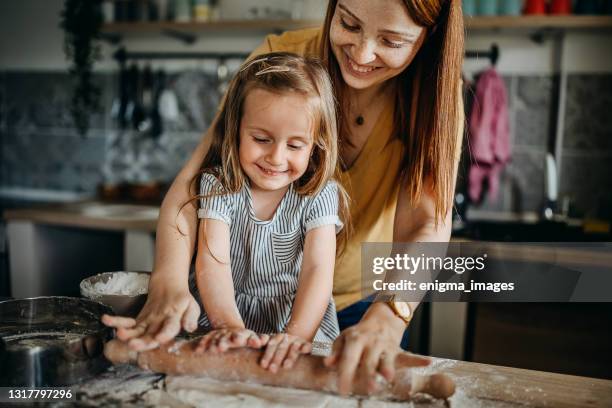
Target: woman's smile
point(358, 70)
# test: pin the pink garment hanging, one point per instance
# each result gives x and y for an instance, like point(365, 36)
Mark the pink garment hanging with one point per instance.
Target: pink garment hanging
point(489, 135)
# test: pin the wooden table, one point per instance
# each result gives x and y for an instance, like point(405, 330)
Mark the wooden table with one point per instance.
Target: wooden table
point(485, 385)
point(478, 385)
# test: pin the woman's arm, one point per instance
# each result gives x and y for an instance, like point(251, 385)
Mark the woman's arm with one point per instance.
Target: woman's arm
point(169, 304)
point(214, 275)
point(373, 341)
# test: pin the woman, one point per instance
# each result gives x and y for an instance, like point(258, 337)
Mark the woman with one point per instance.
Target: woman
point(396, 67)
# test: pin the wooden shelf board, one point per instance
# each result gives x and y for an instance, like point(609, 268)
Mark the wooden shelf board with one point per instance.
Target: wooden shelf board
point(494, 22)
point(539, 22)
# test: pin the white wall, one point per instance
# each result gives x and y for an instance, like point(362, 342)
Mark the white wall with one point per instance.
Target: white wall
point(30, 39)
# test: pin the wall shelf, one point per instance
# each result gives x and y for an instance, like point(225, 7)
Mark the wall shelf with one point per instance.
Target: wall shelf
point(539, 22)
point(195, 27)
point(534, 23)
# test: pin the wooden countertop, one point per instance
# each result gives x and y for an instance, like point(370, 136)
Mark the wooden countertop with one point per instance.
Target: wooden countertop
point(597, 254)
point(485, 385)
point(478, 385)
point(91, 214)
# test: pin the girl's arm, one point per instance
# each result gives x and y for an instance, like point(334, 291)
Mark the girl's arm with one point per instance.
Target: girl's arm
point(311, 300)
point(216, 287)
point(315, 282)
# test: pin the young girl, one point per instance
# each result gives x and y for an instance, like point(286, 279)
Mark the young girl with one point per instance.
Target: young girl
point(270, 211)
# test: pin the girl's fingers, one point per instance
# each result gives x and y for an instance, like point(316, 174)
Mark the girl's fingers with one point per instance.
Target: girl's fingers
point(270, 351)
point(254, 341)
point(118, 321)
point(292, 354)
point(280, 354)
point(306, 347)
point(217, 336)
point(225, 341)
point(387, 366)
point(204, 343)
point(264, 339)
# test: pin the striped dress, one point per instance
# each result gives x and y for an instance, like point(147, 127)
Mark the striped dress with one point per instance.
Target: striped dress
point(266, 256)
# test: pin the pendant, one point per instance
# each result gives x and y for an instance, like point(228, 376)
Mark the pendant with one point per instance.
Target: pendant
point(359, 120)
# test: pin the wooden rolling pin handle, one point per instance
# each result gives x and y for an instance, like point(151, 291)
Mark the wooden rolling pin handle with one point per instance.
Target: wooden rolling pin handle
point(436, 385)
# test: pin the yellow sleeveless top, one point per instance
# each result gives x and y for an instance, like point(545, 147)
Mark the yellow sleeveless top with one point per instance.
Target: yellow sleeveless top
point(372, 182)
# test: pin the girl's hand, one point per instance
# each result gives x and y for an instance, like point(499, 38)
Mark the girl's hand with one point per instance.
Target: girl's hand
point(221, 340)
point(283, 350)
point(168, 309)
point(373, 346)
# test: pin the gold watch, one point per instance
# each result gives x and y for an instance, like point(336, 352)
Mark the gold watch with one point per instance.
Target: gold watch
point(401, 309)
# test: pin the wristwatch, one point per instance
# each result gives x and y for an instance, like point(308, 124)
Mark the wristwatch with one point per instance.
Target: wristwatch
point(401, 309)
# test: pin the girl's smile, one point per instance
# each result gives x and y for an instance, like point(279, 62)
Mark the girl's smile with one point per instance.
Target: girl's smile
point(275, 139)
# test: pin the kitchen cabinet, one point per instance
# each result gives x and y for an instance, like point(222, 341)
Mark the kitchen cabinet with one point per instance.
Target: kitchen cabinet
point(51, 249)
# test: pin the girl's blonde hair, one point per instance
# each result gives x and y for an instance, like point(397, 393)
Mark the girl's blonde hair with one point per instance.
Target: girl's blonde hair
point(427, 112)
point(279, 73)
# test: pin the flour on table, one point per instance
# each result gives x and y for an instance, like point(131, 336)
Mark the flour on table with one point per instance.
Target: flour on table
point(204, 392)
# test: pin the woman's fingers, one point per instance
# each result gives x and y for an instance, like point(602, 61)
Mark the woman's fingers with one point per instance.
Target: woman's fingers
point(347, 365)
point(370, 362)
point(191, 316)
point(118, 321)
point(170, 327)
point(387, 365)
point(125, 334)
point(411, 360)
point(332, 359)
point(143, 343)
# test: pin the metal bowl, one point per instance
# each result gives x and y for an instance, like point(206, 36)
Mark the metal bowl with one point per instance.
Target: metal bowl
point(122, 305)
point(51, 341)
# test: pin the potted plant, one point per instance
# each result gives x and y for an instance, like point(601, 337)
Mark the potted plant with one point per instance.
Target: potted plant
point(81, 21)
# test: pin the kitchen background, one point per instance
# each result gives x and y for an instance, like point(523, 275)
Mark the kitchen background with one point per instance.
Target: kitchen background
point(558, 82)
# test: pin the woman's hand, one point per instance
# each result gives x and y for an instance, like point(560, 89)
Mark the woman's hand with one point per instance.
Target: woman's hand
point(221, 340)
point(373, 346)
point(168, 308)
point(283, 350)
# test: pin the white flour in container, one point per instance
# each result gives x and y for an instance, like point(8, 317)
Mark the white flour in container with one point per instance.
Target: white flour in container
point(120, 283)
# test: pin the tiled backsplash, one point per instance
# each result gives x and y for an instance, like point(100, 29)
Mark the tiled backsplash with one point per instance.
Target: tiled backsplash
point(586, 160)
point(39, 147)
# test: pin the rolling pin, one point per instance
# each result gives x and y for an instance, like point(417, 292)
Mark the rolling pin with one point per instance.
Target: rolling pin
point(308, 372)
